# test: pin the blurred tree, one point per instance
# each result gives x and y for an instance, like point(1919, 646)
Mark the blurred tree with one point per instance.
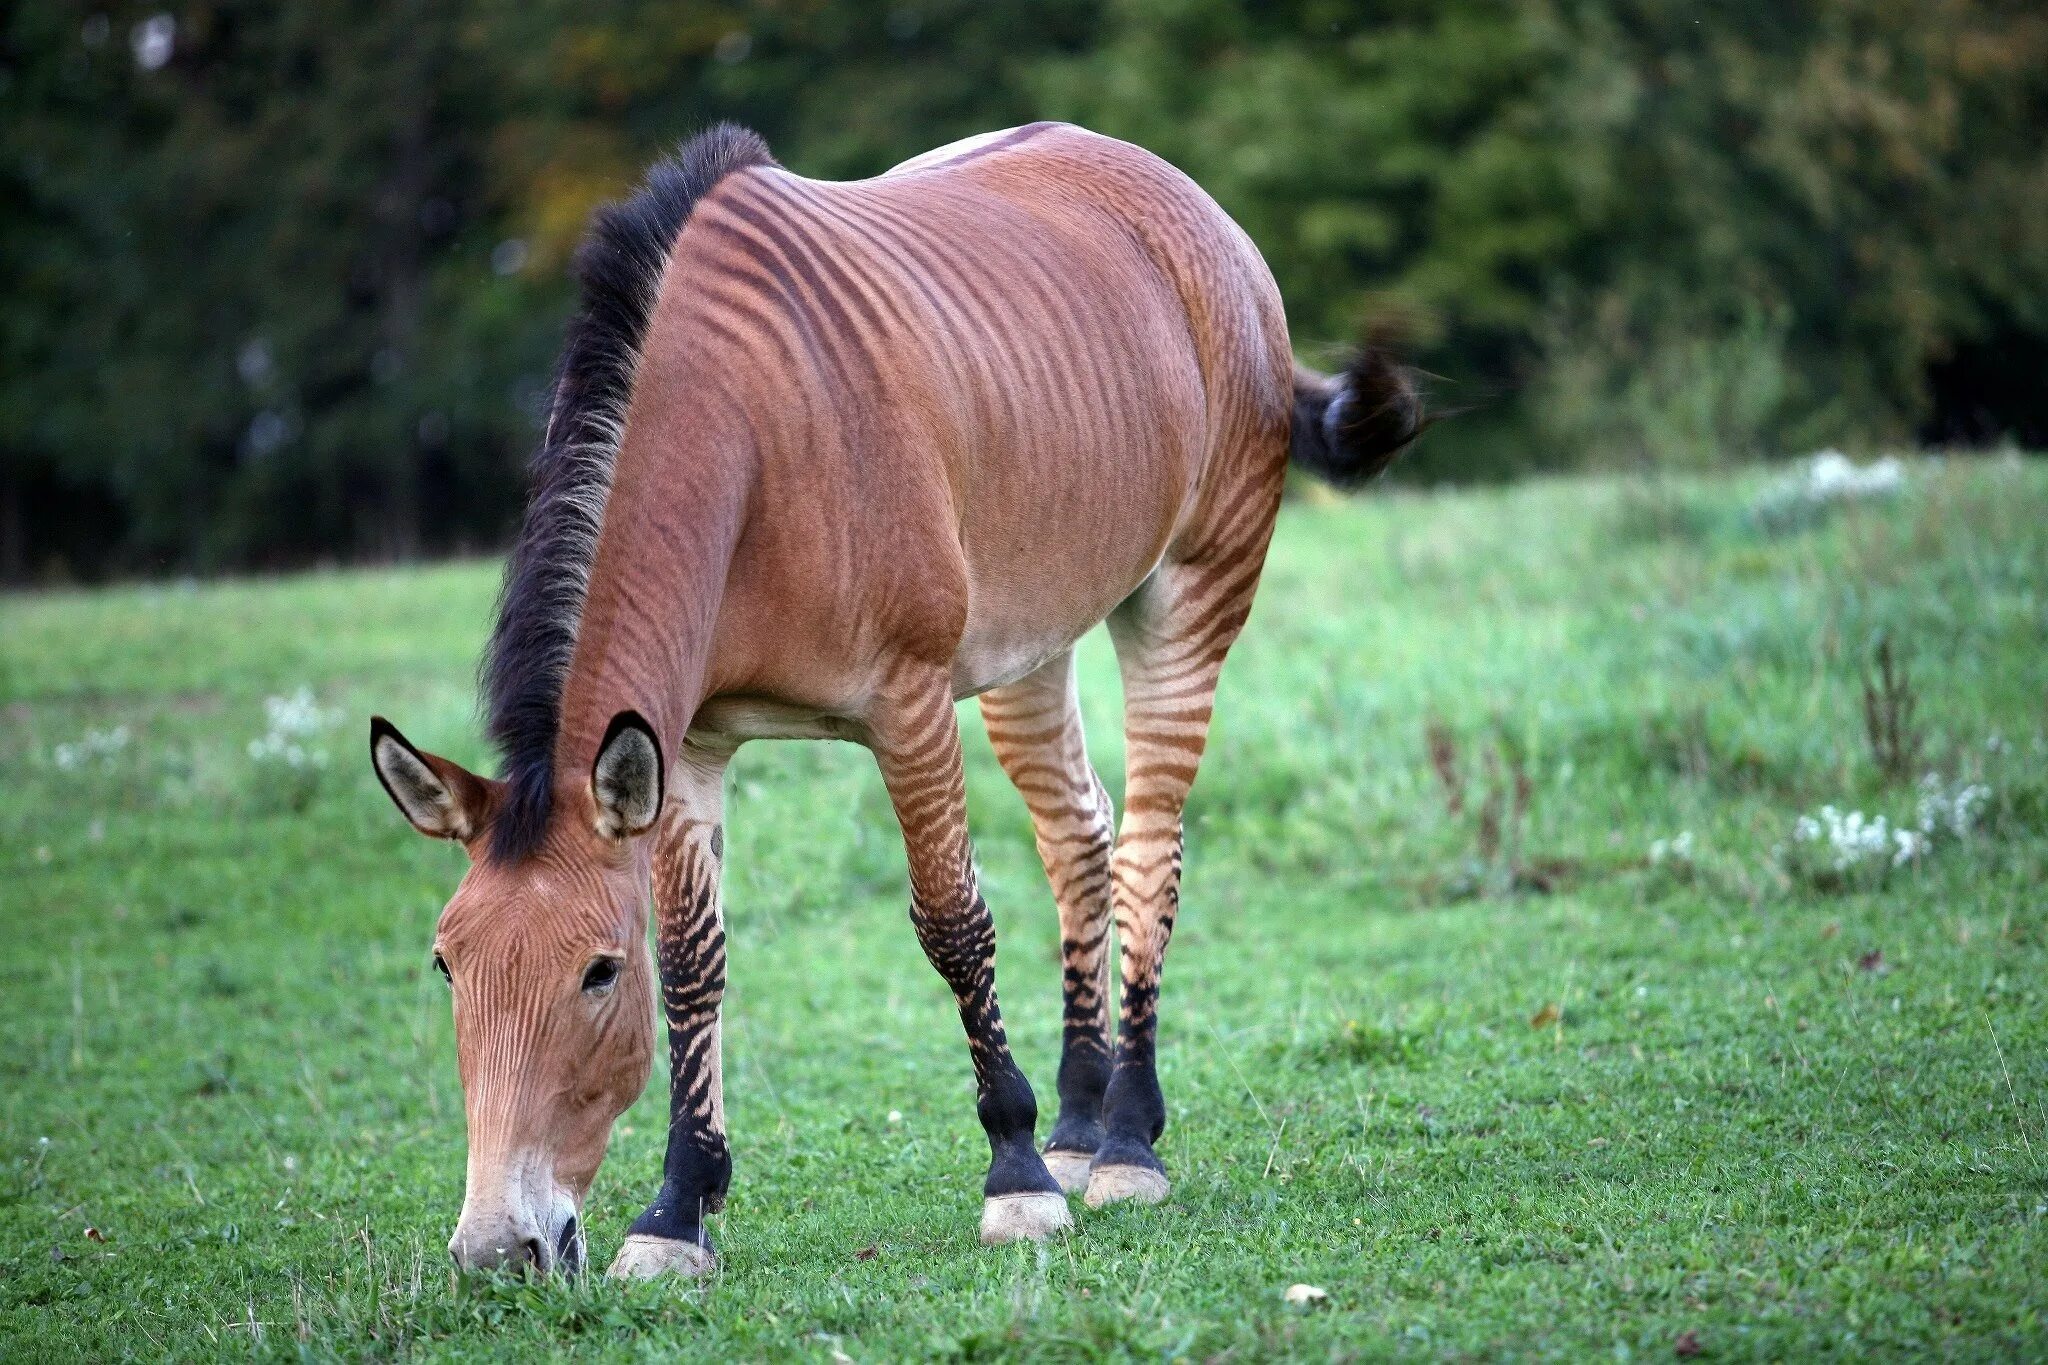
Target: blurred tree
point(260, 321)
point(1572, 205)
point(1413, 163)
point(1862, 173)
point(283, 280)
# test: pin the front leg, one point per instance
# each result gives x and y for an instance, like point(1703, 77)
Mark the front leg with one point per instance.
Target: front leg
point(918, 747)
point(690, 950)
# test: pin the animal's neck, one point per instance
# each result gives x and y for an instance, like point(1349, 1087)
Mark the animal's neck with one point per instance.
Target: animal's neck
point(671, 524)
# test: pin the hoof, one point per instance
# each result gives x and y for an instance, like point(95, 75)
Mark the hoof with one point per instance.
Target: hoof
point(1112, 1184)
point(643, 1258)
point(1023, 1217)
point(1070, 1169)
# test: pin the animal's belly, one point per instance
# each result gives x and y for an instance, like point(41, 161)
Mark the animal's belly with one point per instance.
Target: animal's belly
point(725, 721)
point(1015, 627)
point(988, 663)
point(1054, 545)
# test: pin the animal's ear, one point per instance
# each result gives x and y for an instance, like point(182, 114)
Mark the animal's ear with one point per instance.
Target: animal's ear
point(626, 779)
point(443, 800)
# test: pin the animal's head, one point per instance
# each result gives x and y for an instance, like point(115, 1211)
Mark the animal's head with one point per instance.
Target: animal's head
point(553, 985)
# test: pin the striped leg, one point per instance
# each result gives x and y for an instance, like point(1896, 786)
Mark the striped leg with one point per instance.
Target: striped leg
point(1034, 725)
point(690, 949)
point(1171, 638)
point(918, 748)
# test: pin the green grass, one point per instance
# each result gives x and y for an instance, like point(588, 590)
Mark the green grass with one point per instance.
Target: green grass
point(1526, 1095)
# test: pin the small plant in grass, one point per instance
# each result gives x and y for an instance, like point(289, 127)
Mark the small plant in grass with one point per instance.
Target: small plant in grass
point(1355, 1043)
point(1504, 814)
point(102, 767)
point(1500, 818)
point(1951, 809)
point(1681, 743)
point(1819, 484)
point(1651, 508)
point(1840, 850)
point(288, 764)
point(96, 749)
point(1889, 721)
point(1675, 854)
point(1443, 761)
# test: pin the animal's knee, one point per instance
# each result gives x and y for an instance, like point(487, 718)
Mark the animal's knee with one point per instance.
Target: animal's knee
point(958, 938)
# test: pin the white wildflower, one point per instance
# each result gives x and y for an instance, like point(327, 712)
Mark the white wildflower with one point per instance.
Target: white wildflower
point(1844, 844)
point(287, 745)
point(1677, 849)
point(153, 41)
point(96, 747)
point(296, 716)
point(1952, 811)
point(1832, 476)
point(1908, 845)
point(276, 748)
point(1823, 479)
point(1845, 840)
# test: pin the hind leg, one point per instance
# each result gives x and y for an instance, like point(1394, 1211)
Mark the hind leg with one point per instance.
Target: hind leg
point(1171, 639)
point(1034, 725)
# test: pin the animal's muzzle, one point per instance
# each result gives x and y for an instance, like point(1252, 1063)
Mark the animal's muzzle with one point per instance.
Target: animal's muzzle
point(505, 1248)
point(521, 1248)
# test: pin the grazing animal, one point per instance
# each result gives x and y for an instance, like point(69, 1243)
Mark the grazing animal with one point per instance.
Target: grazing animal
point(823, 459)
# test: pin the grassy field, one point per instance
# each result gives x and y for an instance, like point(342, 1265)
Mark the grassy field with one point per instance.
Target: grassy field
point(1508, 1005)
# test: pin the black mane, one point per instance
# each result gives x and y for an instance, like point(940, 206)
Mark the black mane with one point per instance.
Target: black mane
point(540, 607)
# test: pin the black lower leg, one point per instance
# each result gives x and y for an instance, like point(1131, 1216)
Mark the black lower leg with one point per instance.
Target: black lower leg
point(1085, 1044)
point(1083, 1079)
point(690, 947)
point(695, 1171)
point(1134, 1110)
point(961, 943)
point(695, 1175)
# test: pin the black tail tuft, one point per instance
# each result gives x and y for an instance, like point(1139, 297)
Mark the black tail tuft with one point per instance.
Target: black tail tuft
point(1349, 427)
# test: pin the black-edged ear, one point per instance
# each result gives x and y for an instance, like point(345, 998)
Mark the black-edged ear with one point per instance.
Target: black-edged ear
point(626, 779)
point(443, 800)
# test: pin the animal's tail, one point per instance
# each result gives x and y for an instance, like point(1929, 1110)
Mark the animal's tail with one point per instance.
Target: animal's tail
point(1349, 426)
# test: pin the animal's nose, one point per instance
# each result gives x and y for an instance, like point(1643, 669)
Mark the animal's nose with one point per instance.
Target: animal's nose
point(507, 1248)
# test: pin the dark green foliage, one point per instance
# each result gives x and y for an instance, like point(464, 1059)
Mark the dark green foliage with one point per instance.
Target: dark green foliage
point(293, 291)
point(261, 324)
point(1626, 230)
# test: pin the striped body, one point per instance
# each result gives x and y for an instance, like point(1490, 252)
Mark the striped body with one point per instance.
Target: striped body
point(823, 459)
point(981, 398)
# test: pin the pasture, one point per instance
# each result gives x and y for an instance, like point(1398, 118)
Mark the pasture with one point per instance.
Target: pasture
point(1512, 1005)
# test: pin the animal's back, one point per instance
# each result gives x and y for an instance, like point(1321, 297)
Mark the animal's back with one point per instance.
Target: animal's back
point(1178, 378)
point(1097, 190)
point(1038, 344)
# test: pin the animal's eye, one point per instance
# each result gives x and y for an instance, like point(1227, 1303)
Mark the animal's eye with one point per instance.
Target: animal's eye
point(441, 966)
point(601, 975)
